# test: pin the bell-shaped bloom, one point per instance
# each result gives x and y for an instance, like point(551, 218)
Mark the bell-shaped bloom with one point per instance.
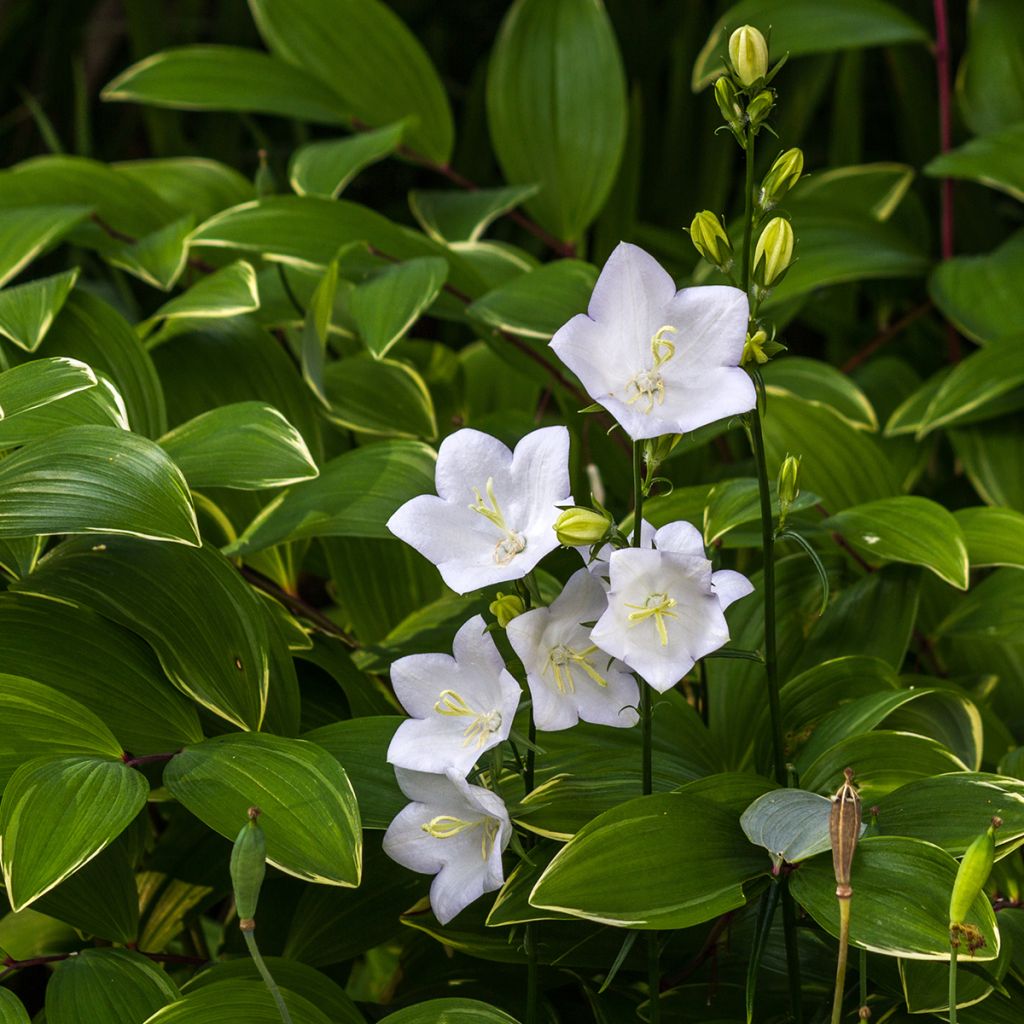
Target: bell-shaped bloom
point(660, 361)
point(598, 564)
point(492, 519)
point(666, 606)
point(460, 706)
point(570, 678)
point(454, 831)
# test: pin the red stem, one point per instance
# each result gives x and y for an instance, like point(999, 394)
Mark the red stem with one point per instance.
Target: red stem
point(134, 762)
point(885, 336)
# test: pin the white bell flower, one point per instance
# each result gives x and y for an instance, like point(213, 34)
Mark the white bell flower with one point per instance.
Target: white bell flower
point(570, 678)
point(660, 361)
point(666, 606)
point(492, 519)
point(461, 706)
point(452, 830)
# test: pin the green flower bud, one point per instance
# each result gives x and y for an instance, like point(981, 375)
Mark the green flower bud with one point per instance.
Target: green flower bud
point(971, 876)
point(760, 107)
point(773, 252)
point(789, 477)
point(711, 241)
point(753, 349)
point(785, 173)
point(729, 104)
point(248, 866)
point(578, 526)
point(748, 53)
point(506, 607)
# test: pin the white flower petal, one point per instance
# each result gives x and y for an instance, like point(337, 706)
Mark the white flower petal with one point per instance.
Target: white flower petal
point(465, 460)
point(695, 400)
point(681, 538)
point(630, 296)
point(417, 678)
point(540, 483)
point(730, 586)
point(712, 325)
point(592, 352)
point(435, 744)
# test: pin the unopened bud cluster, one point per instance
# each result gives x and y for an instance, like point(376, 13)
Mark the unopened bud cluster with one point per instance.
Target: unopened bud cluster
point(577, 527)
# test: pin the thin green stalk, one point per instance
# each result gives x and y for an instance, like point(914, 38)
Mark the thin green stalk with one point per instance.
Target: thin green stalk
point(748, 212)
point(862, 974)
point(844, 949)
point(529, 938)
point(250, 941)
point(952, 983)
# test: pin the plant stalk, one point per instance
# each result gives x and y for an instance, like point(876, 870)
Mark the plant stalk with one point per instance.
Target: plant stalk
point(952, 983)
point(844, 949)
point(257, 959)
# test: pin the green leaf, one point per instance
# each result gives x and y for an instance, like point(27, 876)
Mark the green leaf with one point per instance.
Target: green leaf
point(386, 306)
point(872, 190)
point(250, 1001)
point(996, 160)
point(159, 257)
point(991, 81)
point(925, 988)
point(800, 27)
point(29, 231)
point(981, 295)
point(990, 454)
point(537, 303)
point(450, 1011)
point(39, 720)
point(107, 986)
point(190, 184)
point(18, 555)
point(98, 405)
point(901, 893)
point(733, 503)
point(354, 496)
point(207, 629)
point(59, 813)
point(994, 536)
point(453, 216)
point(95, 480)
point(28, 310)
point(326, 167)
point(244, 445)
point(671, 881)
point(791, 824)
point(309, 812)
point(907, 529)
point(369, 58)
point(226, 78)
point(994, 608)
point(817, 382)
point(36, 383)
point(230, 291)
point(558, 114)
point(96, 663)
point(356, 386)
point(11, 1009)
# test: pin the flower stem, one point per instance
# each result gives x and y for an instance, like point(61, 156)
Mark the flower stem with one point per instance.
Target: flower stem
point(844, 949)
point(250, 941)
point(748, 212)
point(952, 983)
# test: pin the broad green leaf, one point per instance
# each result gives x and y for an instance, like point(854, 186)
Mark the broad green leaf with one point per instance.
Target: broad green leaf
point(981, 295)
point(800, 27)
point(671, 881)
point(97, 663)
point(925, 988)
point(536, 304)
point(354, 496)
point(89, 329)
point(230, 291)
point(40, 720)
point(866, 190)
point(454, 216)
point(907, 529)
point(325, 168)
point(791, 824)
point(450, 1011)
point(248, 1001)
point(817, 382)
point(37, 383)
point(159, 257)
point(733, 503)
point(12, 1010)
point(209, 77)
point(190, 184)
point(994, 608)
point(990, 83)
point(901, 899)
point(558, 114)
point(28, 310)
point(59, 813)
point(994, 536)
point(996, 160)
point(207, 629)
point(379, 396)
point(18, 555)
point(367, 56)
point(952, 810)
point(990, 454)
point(107, 986)
point(245, 445)
point(98, 405)
point(28, 231)
point(95, 480)
point(309, 812)
point(386, 306)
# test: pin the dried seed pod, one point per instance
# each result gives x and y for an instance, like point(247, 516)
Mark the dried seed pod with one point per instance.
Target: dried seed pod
point(844, 831)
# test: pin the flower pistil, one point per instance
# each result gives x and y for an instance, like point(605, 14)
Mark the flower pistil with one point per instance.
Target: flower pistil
point(648, 384)
point(658, 607)
point(511, 543)
point(483, 724)
point(445, 826)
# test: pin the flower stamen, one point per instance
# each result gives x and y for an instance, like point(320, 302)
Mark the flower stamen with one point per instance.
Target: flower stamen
point(446, 826)
point(561, 660)
point(512, 543)
point(483, 724)
point(657, 606)
point(649, 386)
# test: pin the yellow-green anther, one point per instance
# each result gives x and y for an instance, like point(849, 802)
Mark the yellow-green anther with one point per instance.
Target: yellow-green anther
point(506, 607)
point(748, 53)
point(773, 252)
point(658, 607)
point(784, 174)
point(710, 240)
point(844, 831)
point(248, 866)
point(578, 526)
point(972, 874)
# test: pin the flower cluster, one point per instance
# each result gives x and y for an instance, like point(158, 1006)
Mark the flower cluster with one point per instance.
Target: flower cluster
point(662, 362)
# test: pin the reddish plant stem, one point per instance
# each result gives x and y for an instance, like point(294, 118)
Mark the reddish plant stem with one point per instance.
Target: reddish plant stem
point(942, 69)
point(134, 762)
point(885, 336)
point(11, 965)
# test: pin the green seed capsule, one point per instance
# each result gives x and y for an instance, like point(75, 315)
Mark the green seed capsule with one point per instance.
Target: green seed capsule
point(973, 874)
point(248, 866)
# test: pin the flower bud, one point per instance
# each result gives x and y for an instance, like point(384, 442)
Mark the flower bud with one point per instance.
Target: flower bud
point(506, 607)
point(711, 241)
point(972, 875)
point(760, 107)
point(844, 831)
point(748, 53)
point(785, 173)
point(578, 526)
point(789, 479)
point(729, 104)
point(753, 349)
point(773, 252)
point(248, 866)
